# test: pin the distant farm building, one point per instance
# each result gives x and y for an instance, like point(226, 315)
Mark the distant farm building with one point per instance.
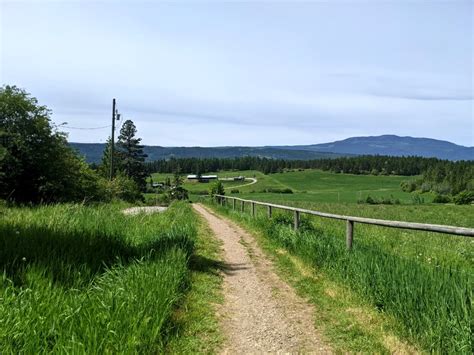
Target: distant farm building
point(202, 178)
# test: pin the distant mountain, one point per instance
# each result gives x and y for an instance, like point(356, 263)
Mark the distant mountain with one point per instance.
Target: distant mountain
point(378, 145)
point(394, 146)
point(93, 152)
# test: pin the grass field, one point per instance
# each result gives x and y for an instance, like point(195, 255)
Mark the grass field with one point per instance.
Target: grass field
point(89, 279)
point(422, 280)
point(321, 186)
point(312, 186)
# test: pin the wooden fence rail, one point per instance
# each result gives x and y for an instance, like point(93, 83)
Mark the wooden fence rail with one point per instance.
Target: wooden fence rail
point(350, 220)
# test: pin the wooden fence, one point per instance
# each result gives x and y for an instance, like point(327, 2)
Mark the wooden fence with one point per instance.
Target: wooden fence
point(350, 220)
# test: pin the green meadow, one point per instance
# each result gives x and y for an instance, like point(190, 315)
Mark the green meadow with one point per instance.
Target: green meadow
point(321, 186)
point(311, 186)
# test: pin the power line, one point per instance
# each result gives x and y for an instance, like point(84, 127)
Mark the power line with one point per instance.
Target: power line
point(86, 128)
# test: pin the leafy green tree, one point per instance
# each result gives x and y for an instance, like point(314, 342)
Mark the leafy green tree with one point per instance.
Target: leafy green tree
point(217, 188)
point(131, 158)
point(36, 163)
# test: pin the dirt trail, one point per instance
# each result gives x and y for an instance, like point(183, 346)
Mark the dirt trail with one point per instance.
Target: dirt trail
point(252, 181)
point(261, 313)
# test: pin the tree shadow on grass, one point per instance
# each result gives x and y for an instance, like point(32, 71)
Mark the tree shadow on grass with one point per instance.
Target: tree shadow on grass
point(73, 259)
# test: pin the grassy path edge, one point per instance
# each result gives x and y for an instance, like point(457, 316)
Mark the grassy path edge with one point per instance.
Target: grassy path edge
point(197, 329)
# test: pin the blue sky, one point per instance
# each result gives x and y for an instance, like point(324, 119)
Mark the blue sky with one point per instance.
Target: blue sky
point(246, 73)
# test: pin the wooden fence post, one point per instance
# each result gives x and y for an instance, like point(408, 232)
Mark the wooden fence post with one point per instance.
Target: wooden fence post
point(269, 211)
point(253, 209)
point(297, 220)
point(349, 234)
point(242, 206)
point(233, 204)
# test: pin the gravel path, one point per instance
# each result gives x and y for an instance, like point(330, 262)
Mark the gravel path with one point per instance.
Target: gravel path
point(261, 313)
point(148, 209)
point(253, 181)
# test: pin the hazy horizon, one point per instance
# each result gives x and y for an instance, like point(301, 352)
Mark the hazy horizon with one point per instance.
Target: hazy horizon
point(275, 145)
point(246, 74)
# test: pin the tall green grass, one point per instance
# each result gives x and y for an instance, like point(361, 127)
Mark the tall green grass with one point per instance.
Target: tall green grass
point(90, 279)
point(432, 301)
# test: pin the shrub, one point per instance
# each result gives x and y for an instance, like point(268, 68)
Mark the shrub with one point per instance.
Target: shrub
point(217, 188)
point(441, 198)
point(417, 199)
point(464, 198)
point(234, 191)
point(381, 201)
point(443, 189)
point(408, 185)
point(277, 191)
point(370, 200)
point(177, 193)
point(123, 188)
point(425, 187)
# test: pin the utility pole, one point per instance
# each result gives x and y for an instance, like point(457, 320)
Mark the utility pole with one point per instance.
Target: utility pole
point(112, 142)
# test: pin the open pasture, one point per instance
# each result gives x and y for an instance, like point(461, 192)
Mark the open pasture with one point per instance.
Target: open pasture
point(321, 186)
point(310, 186)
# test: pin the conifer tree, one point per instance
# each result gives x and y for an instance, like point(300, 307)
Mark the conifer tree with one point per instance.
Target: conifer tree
point(131, 158)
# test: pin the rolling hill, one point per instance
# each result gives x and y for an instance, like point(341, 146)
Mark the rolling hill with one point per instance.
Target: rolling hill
point(394, 146)
point(377, 145)
point(93, 152)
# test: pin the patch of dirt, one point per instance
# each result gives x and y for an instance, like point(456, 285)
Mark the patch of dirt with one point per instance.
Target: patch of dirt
point(149, 209)
point(261, 313)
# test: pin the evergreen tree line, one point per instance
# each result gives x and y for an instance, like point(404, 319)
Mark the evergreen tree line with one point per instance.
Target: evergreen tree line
point(438, 175)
